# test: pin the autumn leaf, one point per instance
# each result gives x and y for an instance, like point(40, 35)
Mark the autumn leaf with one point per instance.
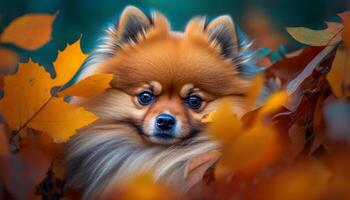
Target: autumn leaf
point(274, 102)
point(225, 125)
point(345, 16)
point(67, 63)
point(9, 59)
point(254, 148)
point(304, 180)
point(89, 86)
point(339, 76)
point(254, 90)
point(25, 93)
point(28, 101)
point(198, 165)
point(4, 148)
point(30, 31)
point(23, 170)
point(60, 119)
point(141, 187)
point(329, 36)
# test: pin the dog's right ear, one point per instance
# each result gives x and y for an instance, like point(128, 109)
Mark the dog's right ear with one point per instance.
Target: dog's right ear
point(132, 24)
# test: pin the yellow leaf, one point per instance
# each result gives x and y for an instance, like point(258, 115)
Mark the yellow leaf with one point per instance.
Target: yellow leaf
point(339, 76)
point(275, 102)
point(89, 86)
point(254, 90)
point(253, 147)
point(61, 120)
point(329, 36)
point(225, 125)
point(345, 16)
point(9, 58)
point(141, 187)
point(25, 93)
point(30, 31)
point(305, 180)
point(209, 117)
point(68, 62)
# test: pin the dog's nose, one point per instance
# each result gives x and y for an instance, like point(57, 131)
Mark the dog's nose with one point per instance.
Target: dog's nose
point(165, 122)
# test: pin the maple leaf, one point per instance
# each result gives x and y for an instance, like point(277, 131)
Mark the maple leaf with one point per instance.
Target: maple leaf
point(66, 65)
point(329, 36)
point(60, 119)
point(25, 94)
point(29, 102)
point(89, 86)
point(30, 31)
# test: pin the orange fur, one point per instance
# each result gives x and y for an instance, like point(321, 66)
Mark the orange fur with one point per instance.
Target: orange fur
point(169, 64)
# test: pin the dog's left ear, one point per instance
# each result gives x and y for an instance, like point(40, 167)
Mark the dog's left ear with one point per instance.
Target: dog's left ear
point(223, 32)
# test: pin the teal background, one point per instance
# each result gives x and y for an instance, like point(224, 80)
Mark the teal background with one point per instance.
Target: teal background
point(89, 17)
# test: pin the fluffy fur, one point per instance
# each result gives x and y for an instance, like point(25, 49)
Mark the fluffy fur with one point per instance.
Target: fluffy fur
point(144, 54)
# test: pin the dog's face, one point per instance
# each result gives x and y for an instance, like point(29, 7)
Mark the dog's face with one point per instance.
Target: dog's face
point(166, 81)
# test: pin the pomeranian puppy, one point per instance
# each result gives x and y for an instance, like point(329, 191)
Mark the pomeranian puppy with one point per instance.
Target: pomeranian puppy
point(164, 82)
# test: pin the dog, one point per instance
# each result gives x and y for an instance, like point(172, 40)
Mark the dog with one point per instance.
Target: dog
point(164, 82)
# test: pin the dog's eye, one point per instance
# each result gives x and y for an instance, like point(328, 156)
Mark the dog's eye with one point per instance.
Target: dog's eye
point(145, 98)
point(194, 102)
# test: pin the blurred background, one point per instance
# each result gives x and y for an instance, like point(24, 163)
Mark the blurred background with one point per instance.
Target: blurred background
point(263, 20)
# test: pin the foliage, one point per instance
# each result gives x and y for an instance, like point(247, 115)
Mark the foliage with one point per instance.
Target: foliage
point(294, 146)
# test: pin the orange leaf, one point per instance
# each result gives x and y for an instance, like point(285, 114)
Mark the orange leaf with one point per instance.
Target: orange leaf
point(68, 62)
point(30, 31)
point(89, 86)
point(61, 120)
point(4, 148)
point(197, 167)
point(25, 93)
point(345, 16)
point(339, 76)
point(141, 187)
point(254, 148)
point(274, 102)
point(225, 124)
point(306, 180)
point(9, 58)
point(254, 90)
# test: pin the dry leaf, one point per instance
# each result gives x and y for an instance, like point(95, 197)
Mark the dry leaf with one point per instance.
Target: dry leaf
point(89, 86)
point(339, 76)
point(67, 63)
point(4, 148)
point(329, 36)
point(141, 187)
point(9, 59)
point(28, 100)
point(297, 139)
point(25, 169)
point(197, 167)
point(225, 125)
point(345, 16)
point(305, 180)
point(274, 102)
point(254, 90)
point(254, 148)
point(30, 31)
point(61, 120)
point(25, 93)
